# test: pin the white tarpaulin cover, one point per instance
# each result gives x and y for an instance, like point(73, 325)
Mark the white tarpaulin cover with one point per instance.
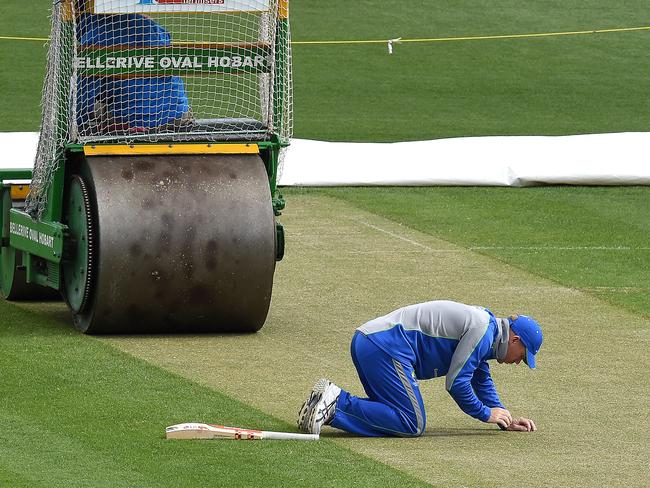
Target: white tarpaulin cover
point(594, 159)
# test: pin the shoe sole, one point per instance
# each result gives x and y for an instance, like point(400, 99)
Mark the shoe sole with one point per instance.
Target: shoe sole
point(307, 411)
point(319, 390)
point(302, 416)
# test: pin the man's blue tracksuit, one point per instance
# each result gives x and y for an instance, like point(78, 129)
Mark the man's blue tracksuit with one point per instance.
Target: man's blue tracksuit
point(428, 340)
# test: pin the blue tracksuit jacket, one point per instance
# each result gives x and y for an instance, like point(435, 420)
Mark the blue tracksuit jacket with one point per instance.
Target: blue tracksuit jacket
point(444, 338)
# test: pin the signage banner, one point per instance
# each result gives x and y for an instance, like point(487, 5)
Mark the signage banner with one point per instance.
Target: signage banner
point(172, 6)
point(173, 61)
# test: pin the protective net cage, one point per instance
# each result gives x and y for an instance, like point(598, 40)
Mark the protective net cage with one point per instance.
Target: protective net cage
point(124, 71)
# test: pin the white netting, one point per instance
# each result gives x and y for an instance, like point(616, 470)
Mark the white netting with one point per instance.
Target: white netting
point(55, 103)
point(163, 70)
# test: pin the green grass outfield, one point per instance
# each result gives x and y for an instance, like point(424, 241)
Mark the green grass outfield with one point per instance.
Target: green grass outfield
point(83, 411)
point(554, 85)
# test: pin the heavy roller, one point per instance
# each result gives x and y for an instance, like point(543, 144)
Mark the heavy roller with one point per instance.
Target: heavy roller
point(152, 205)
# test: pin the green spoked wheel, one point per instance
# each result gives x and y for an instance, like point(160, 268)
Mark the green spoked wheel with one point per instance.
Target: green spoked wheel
point(78, 266)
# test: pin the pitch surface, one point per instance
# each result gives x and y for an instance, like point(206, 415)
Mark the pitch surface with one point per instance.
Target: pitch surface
point(345, 266)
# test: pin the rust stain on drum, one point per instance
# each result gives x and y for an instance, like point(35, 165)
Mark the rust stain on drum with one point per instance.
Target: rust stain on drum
point(135, 250)
point(127, 174)
point(143, 165)
point(211, 250)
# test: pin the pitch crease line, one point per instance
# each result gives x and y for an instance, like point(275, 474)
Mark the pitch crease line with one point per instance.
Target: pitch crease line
point(396, 236)
point(504, 248)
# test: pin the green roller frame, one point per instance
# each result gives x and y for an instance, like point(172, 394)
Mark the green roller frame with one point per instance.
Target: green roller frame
point(69, 249)
point(35, 251)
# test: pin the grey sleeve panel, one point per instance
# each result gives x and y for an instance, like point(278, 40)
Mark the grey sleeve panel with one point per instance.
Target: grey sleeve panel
point(439, 318)
point(463, 351)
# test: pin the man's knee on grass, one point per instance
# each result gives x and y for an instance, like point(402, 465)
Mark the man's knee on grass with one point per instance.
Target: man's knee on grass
point(413, 423)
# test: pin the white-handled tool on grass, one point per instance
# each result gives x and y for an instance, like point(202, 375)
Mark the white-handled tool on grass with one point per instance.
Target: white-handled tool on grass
point(195, 430)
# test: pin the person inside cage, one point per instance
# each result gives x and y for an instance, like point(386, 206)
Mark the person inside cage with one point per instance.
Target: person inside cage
point(133, 103)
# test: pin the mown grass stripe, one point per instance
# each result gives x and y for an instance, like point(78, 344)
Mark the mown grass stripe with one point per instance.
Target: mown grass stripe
point(75, 411)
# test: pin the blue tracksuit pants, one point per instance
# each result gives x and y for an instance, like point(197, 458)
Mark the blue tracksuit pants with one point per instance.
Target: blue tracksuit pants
point(394, 405)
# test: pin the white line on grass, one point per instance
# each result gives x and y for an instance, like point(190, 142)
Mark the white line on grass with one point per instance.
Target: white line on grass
point(396, 236)
point(401, 251)
point(501, 248)
point(625, 289)
point(557, 248)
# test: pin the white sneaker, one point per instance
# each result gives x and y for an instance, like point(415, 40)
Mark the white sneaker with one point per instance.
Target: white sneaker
point(319, 408)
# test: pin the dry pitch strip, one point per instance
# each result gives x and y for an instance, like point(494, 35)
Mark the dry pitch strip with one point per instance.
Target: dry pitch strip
point(152, 204)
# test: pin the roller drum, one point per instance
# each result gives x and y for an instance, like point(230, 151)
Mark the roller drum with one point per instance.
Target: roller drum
point(182, 244)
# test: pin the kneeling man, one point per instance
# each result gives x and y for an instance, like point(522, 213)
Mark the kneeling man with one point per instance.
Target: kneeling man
point(419, 342)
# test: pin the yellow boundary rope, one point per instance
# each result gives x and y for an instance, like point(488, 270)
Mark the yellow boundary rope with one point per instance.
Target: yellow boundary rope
point(432, 39)
point(10, 38)
point(477, 38)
